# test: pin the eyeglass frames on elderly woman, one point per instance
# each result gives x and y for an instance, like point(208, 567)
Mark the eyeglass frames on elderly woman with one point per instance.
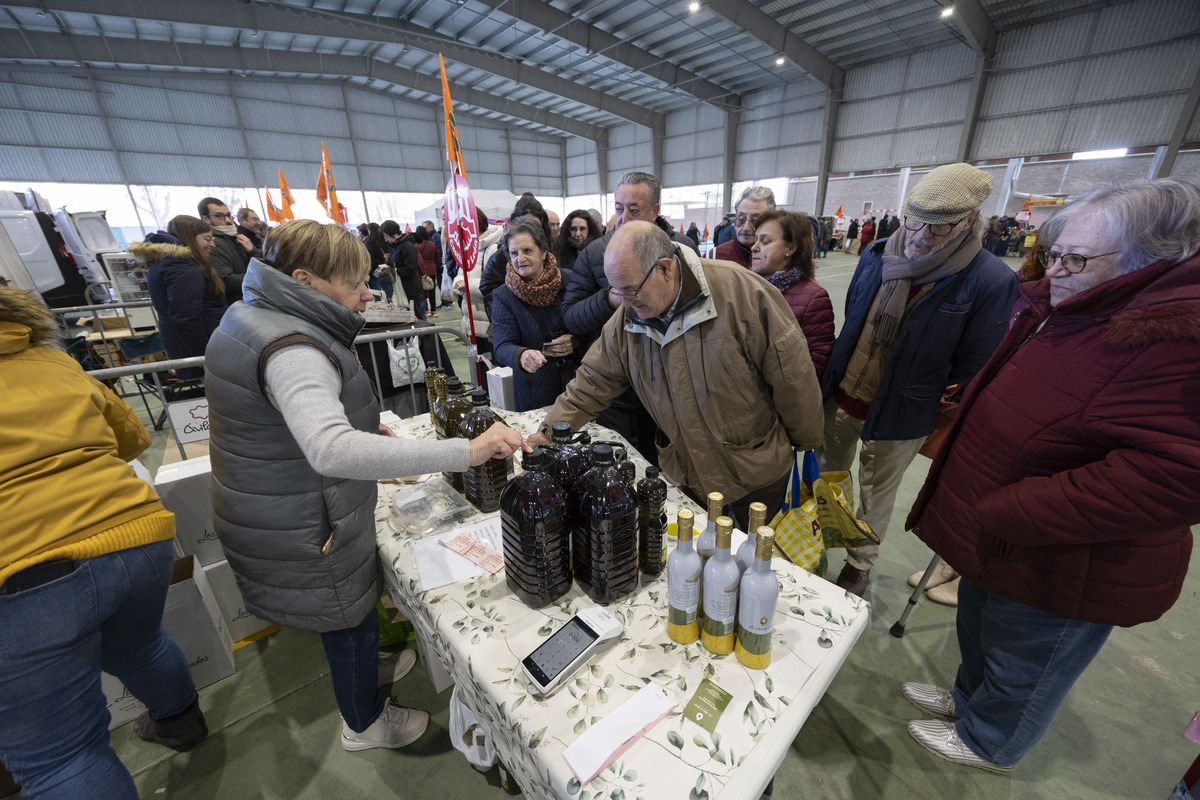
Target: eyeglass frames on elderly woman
point(1072, 262)
point(942, 229)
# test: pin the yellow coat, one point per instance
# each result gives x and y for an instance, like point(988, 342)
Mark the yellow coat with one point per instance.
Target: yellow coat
point(66, 490)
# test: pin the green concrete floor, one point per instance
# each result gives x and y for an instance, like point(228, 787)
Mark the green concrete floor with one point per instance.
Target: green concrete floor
point(274, 724)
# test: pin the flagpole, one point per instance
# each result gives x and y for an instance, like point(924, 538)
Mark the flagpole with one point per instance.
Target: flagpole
point(456, 168)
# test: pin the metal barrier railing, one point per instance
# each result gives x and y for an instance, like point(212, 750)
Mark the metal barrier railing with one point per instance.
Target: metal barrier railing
point(153, 369)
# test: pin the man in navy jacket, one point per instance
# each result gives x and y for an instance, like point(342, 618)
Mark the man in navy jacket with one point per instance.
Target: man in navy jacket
point(924, 311)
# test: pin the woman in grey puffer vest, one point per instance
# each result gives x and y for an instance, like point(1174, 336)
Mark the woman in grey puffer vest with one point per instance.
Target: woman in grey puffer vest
point(296, 452)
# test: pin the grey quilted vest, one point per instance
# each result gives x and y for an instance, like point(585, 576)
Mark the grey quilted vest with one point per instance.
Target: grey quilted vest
point(302, 545)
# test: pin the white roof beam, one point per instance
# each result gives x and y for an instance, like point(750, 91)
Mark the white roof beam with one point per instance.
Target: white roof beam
point(780, 38)
point(274, 17)
point(45, 46)
point(594, 40)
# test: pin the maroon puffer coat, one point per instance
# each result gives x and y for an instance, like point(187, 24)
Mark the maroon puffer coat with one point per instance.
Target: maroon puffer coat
point(1072, 474)
point(814, 311)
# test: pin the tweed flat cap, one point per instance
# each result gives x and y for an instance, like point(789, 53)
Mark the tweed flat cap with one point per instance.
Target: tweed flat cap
point(947, 194)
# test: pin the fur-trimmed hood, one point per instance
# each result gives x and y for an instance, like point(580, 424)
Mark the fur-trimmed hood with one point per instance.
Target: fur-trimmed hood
point(151, 252)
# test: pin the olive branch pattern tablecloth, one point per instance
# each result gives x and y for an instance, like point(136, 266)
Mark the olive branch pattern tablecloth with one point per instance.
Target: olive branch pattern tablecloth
point(481, 630)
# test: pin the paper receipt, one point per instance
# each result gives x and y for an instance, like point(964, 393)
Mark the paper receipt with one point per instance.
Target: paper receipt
point(476, 552)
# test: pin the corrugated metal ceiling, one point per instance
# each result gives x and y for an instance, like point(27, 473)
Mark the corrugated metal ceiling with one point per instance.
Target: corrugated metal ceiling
point(680, 58)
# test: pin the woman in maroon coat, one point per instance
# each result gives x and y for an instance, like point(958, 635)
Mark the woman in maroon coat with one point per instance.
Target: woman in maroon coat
point(1065, 489)
point(782, 253)
point(427, 261)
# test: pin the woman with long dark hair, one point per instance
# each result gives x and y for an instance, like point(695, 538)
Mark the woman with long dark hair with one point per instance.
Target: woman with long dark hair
point(187, 293)
point(576, 233)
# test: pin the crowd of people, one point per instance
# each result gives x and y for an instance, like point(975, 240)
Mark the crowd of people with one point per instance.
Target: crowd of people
point(1060, 499)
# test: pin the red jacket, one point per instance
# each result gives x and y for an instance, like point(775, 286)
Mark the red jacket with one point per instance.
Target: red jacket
point(1072, 474)
point(814, 311)
point(427, 258)
point(733, 251)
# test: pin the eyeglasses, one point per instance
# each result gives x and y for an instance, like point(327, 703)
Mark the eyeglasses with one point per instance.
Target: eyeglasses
point(636, 291)
point(942, 229)
point(752, 219)
point(1072, 262)
point(226, 216)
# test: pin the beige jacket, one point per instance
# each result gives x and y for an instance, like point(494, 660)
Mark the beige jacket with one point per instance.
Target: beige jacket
point(729, 383)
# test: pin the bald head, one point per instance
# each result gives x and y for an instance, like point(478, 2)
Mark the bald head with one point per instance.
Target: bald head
point(642, 268)
point(554, 223)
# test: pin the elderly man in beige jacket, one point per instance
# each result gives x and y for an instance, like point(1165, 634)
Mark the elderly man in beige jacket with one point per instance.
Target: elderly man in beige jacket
point(715, 355)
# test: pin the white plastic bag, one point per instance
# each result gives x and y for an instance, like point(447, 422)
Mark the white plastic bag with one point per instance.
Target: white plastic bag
point(469, 736)
point(447, 284)
point(404, 359)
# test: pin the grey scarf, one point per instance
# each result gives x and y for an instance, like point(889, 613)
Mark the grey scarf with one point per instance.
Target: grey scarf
point(900, 275)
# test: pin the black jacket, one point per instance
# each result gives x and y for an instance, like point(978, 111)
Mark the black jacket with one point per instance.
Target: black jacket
point(403, 259)
point(585, 306)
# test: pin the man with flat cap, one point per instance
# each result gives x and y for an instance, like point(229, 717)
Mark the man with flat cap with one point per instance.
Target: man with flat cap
point(925, 309)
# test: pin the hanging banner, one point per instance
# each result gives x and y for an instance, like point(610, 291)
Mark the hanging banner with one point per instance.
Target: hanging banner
point(272, 212)
point(330, 201)
point(462, 224)
point(285, 198)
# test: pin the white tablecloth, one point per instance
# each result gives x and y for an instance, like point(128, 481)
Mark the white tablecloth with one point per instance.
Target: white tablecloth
point(480, 630)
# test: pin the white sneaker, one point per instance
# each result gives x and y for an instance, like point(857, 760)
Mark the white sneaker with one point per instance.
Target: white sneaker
point(942, 573)
point(392, 670)
point(941, 739)
point(397, 726)
point(931, 699)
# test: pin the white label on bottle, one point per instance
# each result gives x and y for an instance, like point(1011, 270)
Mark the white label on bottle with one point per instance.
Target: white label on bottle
point(720, 611)
point(683, 597)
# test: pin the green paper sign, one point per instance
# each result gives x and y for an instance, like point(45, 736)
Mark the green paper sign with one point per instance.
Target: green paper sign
point(707, 704)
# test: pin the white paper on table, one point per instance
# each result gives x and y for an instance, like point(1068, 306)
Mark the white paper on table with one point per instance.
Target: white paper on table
point(604, 742)
point(438, 565)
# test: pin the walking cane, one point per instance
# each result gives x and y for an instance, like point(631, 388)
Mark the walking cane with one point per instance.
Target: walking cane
point(897, 630)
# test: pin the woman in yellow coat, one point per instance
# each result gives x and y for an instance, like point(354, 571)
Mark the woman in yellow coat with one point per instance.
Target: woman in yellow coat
point(85, 562)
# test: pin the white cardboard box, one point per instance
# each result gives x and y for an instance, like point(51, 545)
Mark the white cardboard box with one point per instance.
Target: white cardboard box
point(184, 488)
point(241, 623)
point(500, 388)
point(193, 619)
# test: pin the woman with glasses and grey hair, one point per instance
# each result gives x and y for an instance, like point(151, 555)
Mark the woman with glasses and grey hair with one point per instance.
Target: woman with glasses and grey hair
point(1065, 489)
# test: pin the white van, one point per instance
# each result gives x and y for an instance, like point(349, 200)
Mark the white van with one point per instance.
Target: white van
point(29, 244)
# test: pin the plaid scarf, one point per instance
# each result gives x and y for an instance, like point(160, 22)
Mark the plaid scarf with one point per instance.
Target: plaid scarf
point(786, 278)
point(543, 291)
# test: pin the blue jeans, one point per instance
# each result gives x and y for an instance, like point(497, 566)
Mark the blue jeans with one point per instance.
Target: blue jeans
point(54, 640)
point(353, 656)
point(1018, 663)
point(418, 306)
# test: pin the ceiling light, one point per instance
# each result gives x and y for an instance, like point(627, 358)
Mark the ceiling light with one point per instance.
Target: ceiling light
point(779, 61)
point(693, 6)
point(947, 11)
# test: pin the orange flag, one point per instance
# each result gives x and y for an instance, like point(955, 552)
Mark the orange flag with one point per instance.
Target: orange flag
point(705, 231)
point(330, 200)
point(285, 198)
point(272, 212)
point(839, 211)
point(323, 192)
point(453, 151)
point(407, 228)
